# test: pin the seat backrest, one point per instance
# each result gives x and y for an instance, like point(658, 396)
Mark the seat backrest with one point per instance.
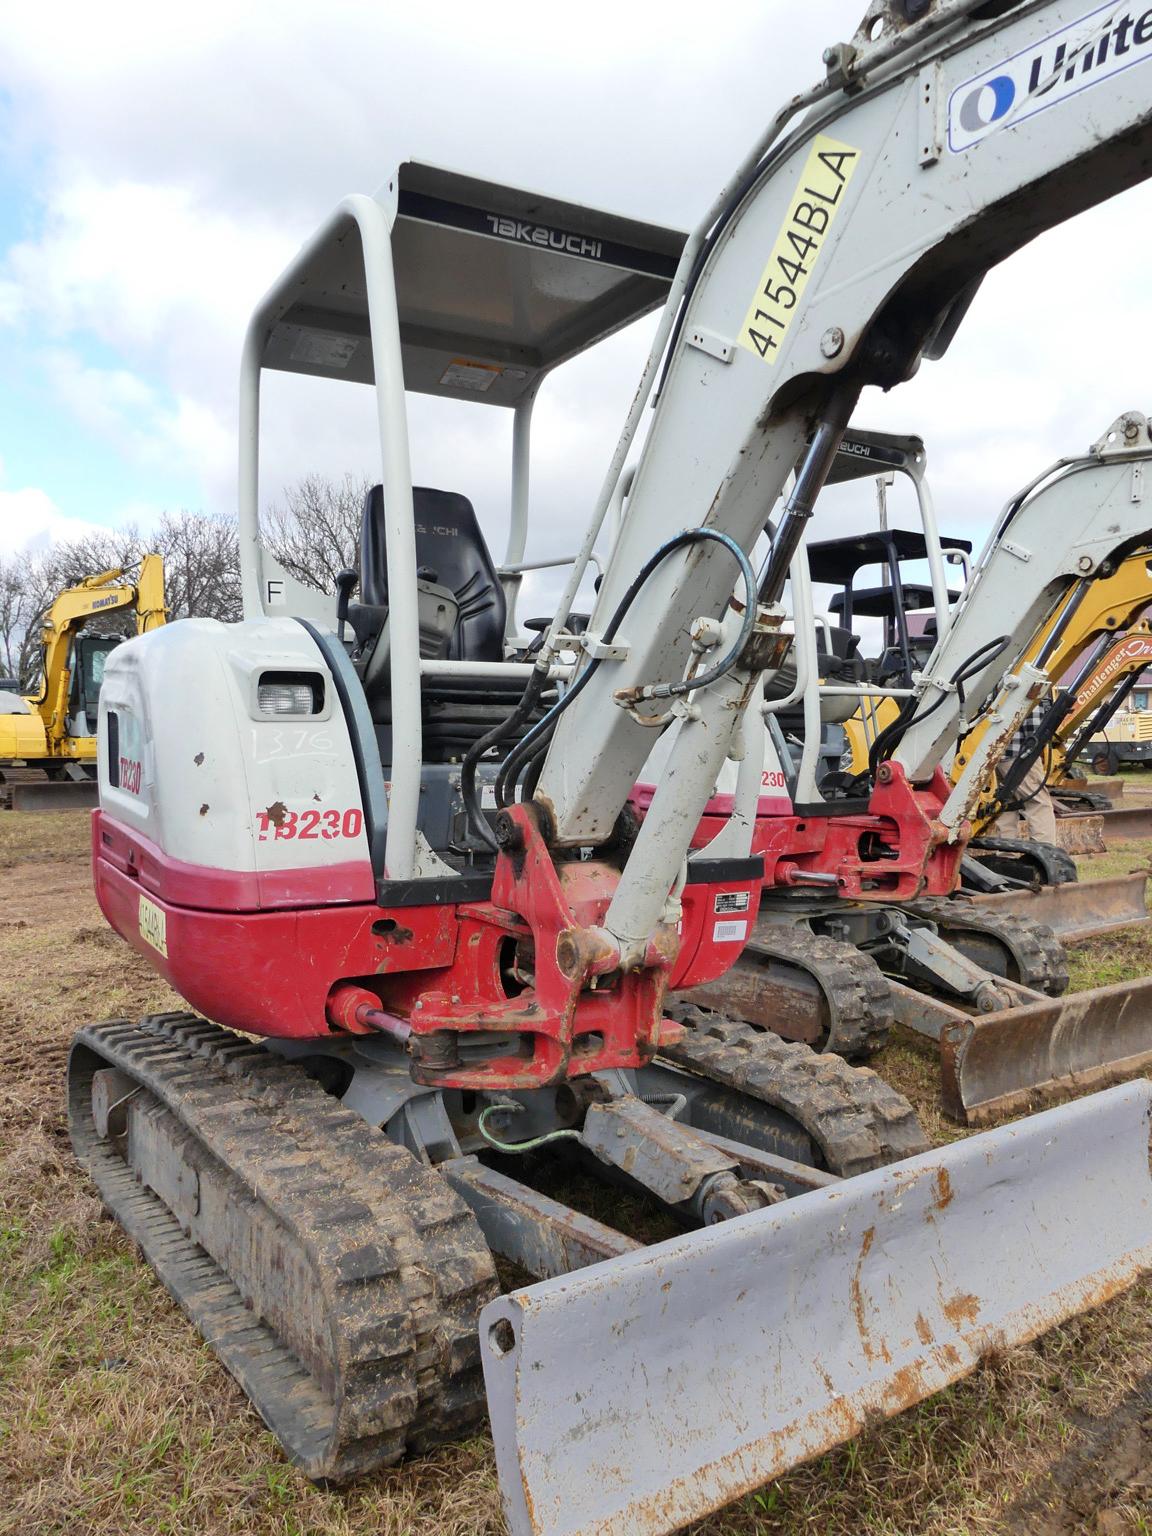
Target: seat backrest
point(450, 549)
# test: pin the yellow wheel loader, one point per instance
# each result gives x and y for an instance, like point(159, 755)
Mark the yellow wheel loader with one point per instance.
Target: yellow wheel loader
point(48, 738)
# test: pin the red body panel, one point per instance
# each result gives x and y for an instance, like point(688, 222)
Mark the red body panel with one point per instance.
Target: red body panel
point(895, 851)
point(264, 953)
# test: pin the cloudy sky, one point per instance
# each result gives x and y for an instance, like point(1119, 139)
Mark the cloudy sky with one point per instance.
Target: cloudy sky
point(160, 164)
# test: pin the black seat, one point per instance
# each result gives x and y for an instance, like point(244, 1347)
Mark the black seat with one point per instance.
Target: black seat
point(451, 551)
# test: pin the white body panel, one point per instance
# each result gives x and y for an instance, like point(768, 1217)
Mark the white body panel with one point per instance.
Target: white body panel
point(187, 721)
point(1064, 528)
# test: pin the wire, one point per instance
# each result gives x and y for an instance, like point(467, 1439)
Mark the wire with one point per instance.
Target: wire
point(517, 1146)
point(890, 737)
point(527, 748)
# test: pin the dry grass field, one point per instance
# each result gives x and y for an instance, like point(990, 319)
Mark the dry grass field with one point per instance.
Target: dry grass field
point(114, 1418)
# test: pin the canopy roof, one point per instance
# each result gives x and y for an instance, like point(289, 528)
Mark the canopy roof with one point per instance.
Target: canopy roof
point(863, 454)
point(836, 561)
point(494, 286)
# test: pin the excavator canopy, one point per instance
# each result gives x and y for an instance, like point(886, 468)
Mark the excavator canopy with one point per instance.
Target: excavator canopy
point(495, 286)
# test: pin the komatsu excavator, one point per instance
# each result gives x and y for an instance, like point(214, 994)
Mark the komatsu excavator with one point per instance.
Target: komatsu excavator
point(48, 738)
point(354, 827)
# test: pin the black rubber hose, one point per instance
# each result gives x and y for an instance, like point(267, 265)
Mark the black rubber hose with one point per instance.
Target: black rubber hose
point(476, 818)
point(891, 736)
point(526, 748)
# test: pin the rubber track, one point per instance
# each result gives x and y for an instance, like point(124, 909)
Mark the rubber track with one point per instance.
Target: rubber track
point(856, 991)
point(1055, 866)
point(11, 776)
point(1037, 953)
point(854, 1117)
point(390, 1256)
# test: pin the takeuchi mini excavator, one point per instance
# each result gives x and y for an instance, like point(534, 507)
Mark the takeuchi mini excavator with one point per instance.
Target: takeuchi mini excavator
point(48, 738)
point(860, 921)
point(376, 830)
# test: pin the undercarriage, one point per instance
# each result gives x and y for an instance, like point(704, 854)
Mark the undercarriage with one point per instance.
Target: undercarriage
point(333, 1228)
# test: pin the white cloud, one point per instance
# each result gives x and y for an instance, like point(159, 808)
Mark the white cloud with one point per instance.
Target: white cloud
point(31, 520)
point(151, 430)
point(186, 156)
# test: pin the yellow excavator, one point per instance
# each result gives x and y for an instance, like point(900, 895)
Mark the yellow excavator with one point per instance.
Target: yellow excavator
point(48, 738)
point(1097, 643)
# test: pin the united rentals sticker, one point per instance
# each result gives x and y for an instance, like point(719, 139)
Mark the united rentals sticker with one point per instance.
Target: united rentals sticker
point(1101, 44)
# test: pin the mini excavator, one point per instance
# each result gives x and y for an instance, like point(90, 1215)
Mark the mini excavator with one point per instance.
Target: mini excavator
point(390, 843)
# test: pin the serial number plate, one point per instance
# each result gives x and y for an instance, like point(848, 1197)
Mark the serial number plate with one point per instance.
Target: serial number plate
point(802, 237)
point(153, 924)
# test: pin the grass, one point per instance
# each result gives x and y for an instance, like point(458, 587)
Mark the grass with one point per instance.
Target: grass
point(116, 1418)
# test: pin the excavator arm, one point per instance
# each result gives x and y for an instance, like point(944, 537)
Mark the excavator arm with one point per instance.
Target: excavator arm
point(100, 594)
point(845, 251)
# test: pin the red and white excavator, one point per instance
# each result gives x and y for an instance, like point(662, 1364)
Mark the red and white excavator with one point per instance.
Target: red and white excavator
point(374, 833)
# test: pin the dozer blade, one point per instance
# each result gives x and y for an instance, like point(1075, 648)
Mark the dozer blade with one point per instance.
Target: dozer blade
point(1079, 910)
point(1082, 833)
point(998, 1064)
point(1127, 821)
point(58, 795)
point(644, 1392)
point(1113, 789)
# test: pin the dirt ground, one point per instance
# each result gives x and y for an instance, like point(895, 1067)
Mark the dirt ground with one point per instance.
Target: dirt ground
point(115, 1418)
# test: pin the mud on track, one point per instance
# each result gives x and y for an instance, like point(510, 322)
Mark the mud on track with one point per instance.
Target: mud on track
point(114, 1418)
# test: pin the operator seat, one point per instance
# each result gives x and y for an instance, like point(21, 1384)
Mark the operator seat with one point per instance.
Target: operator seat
point(451, 558)
point(451, 551)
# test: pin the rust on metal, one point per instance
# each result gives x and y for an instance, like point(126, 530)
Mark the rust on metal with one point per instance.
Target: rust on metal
point(1001, 1064)
point(961, 1308)
point(1080, 909)
point(1127, 821)
point(1081, 833)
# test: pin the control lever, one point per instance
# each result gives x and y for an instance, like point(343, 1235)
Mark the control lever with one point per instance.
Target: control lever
point(345, 585)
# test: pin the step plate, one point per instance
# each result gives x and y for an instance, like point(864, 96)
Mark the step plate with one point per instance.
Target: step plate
point(644, 1392)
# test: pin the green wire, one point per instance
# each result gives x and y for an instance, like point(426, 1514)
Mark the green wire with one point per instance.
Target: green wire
point(516, 1146)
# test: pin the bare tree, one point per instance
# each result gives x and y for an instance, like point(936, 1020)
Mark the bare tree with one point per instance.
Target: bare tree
point(315, 534)
point(201, 574)
point(201, 565)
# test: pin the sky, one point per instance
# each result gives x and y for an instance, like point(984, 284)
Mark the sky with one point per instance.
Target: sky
point(160, 165)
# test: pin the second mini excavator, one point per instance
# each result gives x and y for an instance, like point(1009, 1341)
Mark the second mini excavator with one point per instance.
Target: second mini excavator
point(859, 921)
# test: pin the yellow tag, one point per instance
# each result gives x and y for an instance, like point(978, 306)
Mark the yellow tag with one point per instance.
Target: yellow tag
point(814, 206)
point(153, 925)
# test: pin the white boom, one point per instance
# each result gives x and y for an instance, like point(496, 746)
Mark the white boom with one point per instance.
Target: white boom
point(848, 250)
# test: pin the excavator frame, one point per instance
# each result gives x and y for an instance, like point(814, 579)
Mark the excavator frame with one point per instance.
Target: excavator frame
point(48, 739)
point(321, 1205)
point(854, 930)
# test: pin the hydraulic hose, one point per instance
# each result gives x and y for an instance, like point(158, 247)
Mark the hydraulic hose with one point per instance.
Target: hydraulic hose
point(527, 748)
point(890, 737)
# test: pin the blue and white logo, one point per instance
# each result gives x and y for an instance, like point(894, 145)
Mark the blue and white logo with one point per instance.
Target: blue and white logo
point(1084, 53)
